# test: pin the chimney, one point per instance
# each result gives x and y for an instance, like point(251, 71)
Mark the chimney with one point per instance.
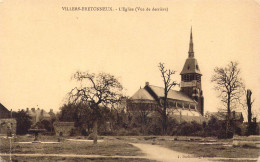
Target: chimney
point(146, 83)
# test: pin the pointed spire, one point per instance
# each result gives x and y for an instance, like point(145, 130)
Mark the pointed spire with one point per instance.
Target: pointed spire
point(191, 52)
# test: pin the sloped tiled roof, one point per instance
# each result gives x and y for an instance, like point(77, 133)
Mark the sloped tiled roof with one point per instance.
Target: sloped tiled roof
point(222, 115)
point(186, 115)
point(2, 107)
point(141, 94)
point(191, 66)
point(172, 94)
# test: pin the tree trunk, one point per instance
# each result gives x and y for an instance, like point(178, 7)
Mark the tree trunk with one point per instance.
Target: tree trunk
point(249, 111)
point(95, 132)
point(228, 116)
point(164, 121)
point(164, 111)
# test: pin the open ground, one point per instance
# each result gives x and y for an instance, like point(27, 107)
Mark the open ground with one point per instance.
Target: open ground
point(125, 148)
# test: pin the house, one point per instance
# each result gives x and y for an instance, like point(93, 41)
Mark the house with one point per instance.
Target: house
point(7, 124)
point(4, 112)
point(40, 114)
point(237, 117)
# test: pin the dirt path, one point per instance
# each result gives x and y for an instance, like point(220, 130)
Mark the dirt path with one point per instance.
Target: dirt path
point(159, 153)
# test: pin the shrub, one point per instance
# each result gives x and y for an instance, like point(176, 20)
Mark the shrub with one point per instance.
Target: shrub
point(189, 129)
point(122, 132)
point(107, 133)
point(222, 134)
point(134, 132)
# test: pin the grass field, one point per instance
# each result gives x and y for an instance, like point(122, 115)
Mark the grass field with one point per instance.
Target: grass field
point(119, 146)
point(71, 159)
point(108, 147)
point(219, 148)
point(111, 147)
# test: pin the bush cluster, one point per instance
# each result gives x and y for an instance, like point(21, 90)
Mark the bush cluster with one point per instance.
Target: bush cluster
point(121, 123)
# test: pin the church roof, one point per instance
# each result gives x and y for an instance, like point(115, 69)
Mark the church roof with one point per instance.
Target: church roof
point(190, 66)
point(142, 94)
point(172, 94)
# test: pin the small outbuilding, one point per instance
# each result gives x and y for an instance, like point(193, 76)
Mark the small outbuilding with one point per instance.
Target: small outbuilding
point(7, 124)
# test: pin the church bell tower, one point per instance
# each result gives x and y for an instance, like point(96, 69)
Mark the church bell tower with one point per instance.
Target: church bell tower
point(191, 78)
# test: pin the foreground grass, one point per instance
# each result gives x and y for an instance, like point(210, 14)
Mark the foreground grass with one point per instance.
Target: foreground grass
point(220, 148)
point(108, 147)
point(213, 150)
point(119, 146)
point(67, 159)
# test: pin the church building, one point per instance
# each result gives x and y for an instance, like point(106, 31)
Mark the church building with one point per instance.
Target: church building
point(191, 79)
point(184, 105)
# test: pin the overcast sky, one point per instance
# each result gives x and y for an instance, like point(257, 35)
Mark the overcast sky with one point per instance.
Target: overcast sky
point(41, 45)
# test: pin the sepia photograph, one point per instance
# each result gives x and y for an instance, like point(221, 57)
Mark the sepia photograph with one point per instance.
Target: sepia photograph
point(129, 80)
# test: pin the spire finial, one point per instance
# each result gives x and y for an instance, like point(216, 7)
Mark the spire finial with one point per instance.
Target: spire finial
point(191, 33)
point(191, 52)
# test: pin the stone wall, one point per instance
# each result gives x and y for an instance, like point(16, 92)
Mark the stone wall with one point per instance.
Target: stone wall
point(63, 128)
point(7, 126)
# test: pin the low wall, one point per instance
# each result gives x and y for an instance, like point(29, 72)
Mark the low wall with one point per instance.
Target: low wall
point(63, 128)
point(7, 126)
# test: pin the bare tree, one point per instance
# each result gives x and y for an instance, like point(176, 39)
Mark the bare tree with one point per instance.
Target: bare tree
point(230, 86)
point(101, 90)
point(166, 74)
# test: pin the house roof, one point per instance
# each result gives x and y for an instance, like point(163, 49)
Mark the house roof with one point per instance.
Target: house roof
point(222, 115)
point(191, 66)
point(38, 112)
point(2, 107)
point(172, 94)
